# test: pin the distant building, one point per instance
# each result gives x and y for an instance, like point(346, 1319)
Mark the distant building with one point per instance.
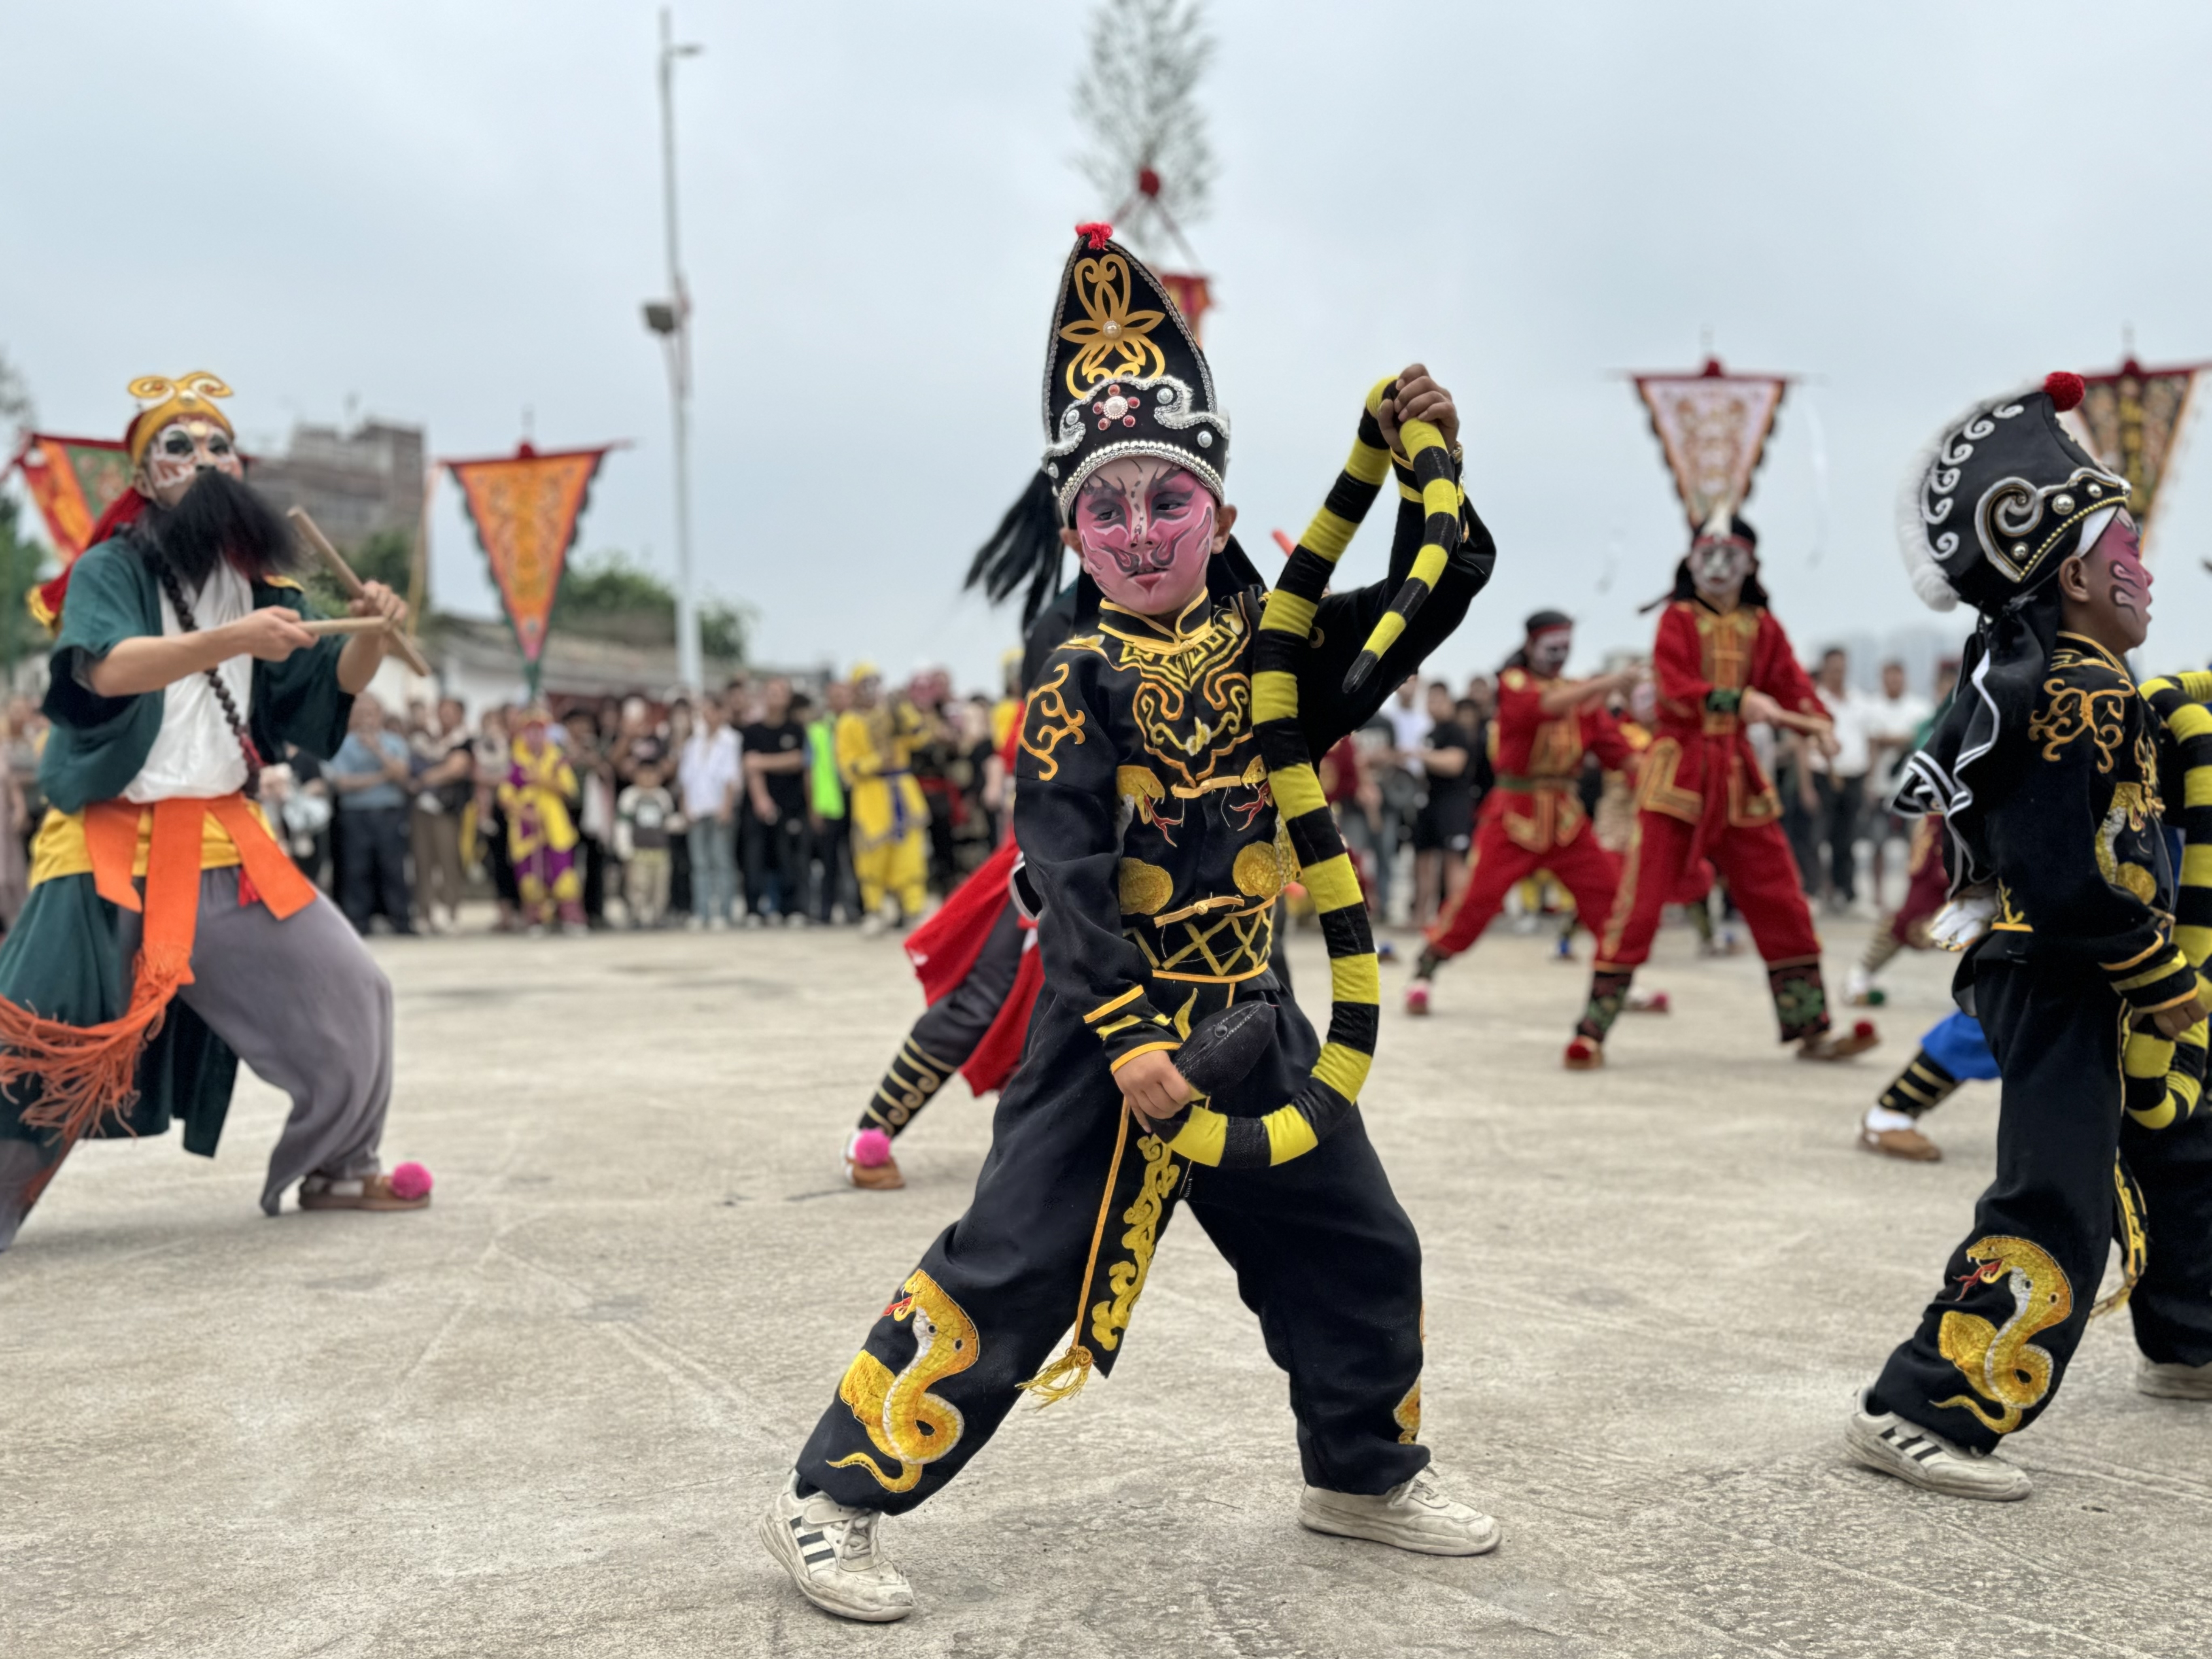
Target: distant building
point(353, 484)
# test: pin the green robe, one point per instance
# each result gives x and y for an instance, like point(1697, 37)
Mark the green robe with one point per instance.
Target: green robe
point(63, 958)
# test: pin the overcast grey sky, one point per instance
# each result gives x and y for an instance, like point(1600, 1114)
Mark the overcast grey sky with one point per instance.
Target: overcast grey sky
point(450, 213)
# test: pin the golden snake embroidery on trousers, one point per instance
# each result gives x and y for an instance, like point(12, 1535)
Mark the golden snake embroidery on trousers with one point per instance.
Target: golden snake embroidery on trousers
point(1999, 1360)
point(1126, 1278)
point(908, 1423)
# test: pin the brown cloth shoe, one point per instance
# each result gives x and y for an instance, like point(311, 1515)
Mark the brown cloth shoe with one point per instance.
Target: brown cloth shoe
point(1582, 1055)
point(1839, 1045)
point(883, 1177)
point(363, 1193)
point(1908, 1144)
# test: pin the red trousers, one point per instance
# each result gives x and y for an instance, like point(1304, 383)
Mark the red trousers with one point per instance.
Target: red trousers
point(1762, 879)
point(1583, 867)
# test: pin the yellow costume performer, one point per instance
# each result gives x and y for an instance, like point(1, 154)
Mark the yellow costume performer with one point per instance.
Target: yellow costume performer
point(541, 836)
point(890, 818)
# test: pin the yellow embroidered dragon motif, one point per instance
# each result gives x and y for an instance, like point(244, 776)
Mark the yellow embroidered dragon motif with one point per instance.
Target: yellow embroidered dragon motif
point(1999, 1360)
point(908, 1423)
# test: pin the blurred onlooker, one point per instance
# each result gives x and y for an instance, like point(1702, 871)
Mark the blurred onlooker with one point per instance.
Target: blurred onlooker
point(494, 758)
point(708, 778)
point(836, 894)
point(296, 795)
point(1839, 782)
point(594, 807)
point(776, 792)
point(444, 782)
point(372, 773)
point(1893, 722)
point(1446, 828)
point(676, 734)
point(645, 820)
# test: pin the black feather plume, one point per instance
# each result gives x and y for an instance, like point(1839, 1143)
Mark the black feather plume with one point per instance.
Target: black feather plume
point(1025, 548)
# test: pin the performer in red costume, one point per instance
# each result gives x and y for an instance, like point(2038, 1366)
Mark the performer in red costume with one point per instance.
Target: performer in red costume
point(1721, 662)
point(1533, 818)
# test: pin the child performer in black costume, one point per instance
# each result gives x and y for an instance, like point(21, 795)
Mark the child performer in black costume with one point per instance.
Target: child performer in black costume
point(2047, 773)
point(1157, 839)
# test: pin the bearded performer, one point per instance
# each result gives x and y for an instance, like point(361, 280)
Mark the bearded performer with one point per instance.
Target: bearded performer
point(167, 936)
point(1533, 819)
point(2047, 774)
point(1149, 822)
point(1720, 663)
point(891, 819)
point(977, 961)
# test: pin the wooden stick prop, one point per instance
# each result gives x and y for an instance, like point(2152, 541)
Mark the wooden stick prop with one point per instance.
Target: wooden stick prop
point(334, 562)
point(322, 626)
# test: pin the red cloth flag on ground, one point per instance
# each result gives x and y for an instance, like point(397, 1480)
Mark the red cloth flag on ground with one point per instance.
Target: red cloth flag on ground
point(74, 481)
point(524, 508)
point(1713, 426)
point(2133, 417)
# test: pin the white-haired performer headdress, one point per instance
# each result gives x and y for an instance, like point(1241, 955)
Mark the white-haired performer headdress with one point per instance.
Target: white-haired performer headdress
point(1992, 507)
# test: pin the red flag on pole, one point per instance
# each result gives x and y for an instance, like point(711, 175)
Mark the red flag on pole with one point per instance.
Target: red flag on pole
point(1713, 426)
point(524, 508)
point(2133, 417)
point(73, 481)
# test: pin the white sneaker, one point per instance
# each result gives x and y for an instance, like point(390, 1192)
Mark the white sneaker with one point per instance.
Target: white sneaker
point(1412, 1517)
point(2174, 1381)
point(831, 1553)
point(1886, 1442)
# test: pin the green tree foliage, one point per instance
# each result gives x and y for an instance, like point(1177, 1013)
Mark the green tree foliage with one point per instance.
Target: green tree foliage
point(608, 595)
point(23, 564)
point(387, 556)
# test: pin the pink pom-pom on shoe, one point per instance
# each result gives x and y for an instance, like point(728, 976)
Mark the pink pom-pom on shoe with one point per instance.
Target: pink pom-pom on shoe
point(871, 1148)
point(410, 1182)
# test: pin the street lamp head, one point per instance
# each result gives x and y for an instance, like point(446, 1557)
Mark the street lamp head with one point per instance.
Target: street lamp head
point(661, 316)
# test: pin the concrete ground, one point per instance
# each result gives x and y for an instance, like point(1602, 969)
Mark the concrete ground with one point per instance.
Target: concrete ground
point(541, 1419)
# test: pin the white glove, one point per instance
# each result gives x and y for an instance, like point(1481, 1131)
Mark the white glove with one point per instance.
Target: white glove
point(1963, 921)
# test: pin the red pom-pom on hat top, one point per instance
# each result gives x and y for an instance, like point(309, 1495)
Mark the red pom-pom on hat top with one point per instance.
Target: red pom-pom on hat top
point(1095, 232)
point(2064, 389)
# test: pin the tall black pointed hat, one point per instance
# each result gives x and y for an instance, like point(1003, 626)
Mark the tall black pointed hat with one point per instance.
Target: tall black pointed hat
point(2000, 500)
point(1123, 375)
point(1988, 514)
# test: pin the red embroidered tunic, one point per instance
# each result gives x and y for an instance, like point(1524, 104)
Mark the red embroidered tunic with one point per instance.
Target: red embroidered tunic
point(1701, 768)
point(1539, 762)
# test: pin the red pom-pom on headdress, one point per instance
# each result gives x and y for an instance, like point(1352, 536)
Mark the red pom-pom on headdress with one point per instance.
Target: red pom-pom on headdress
point(2064, 389)
point(1095, 232)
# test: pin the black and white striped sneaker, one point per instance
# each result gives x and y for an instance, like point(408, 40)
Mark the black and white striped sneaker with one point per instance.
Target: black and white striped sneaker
point(1886, 1442)
point(831, 1553)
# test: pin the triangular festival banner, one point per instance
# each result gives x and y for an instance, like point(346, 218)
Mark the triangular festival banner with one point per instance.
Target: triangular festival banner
point(74, 481)
point(1713, 426)
point(524, 510)
point(2133, 417)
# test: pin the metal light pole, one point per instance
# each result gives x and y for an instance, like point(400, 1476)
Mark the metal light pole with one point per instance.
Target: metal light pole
point(671, 319)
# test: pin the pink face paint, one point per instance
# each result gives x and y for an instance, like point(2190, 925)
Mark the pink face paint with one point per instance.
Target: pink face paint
point(1145, 529)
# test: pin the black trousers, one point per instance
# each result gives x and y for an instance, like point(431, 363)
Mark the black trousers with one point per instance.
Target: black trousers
point(1842, 802)
point(2074, 1174)
point(835, 884)
point(1323, 1255)
point(775, 864)
point(372, 867)
point(948, 1030)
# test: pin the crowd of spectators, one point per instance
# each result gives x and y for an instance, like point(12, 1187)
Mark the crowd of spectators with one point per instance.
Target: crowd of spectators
point(728, 810)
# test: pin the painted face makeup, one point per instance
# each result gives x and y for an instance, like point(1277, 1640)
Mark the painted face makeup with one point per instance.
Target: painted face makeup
point(1548, 651)
point(177, 453)
point(1718, 567)
point(2120, 579)
point(1144, 530)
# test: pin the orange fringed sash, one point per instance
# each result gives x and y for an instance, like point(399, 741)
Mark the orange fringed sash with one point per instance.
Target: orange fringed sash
point(91, 1071)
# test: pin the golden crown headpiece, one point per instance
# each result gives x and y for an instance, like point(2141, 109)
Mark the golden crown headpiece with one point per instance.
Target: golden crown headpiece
point(163, 400)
